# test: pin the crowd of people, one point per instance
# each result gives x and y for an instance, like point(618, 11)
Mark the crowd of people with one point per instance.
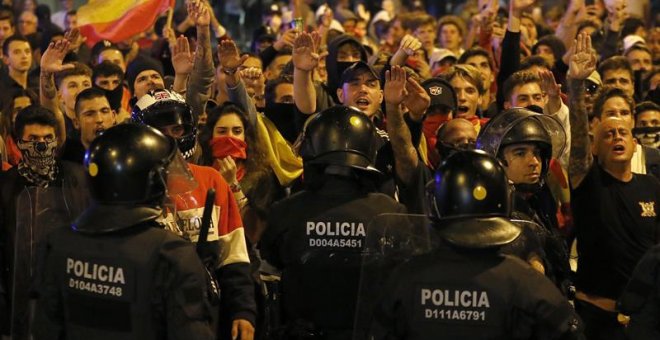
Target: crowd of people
point(327, 177)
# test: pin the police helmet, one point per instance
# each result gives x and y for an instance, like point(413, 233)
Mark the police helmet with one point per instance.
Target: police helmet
point(127, 164)
point(343, 136)
point(160, 108)
point(470, 201)
point(521, 125)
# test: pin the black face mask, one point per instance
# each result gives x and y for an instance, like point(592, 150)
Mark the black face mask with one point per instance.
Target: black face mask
point(284, 117)
point(114, 97)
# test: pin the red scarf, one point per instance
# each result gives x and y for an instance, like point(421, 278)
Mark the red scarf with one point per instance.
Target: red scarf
point(224, 146)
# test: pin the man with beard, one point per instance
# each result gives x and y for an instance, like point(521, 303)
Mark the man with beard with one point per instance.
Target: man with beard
point(614, 208)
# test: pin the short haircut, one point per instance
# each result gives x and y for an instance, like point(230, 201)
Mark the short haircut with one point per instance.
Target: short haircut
point(453, 20)
point(273, 84)
point(15, 37)
point(615, 63)
point(517, 79)
point(467, 72)
point(556, 45)
point(531, 61)
point(107, 69)
point(631, 25)
point(473, 52)
point(610, 92)
point(422, 20)
point(638, 47)
point(34, 114)
point(7, 16)
point(72, 12)
point(646, 106)
point(79, 69)
point(87, 94)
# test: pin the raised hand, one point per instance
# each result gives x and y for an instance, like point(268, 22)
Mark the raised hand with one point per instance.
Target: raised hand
point(548, 84)
point(395, 86)
point(416, 100)
point(229, 56)
point(182, 58)
point(305, 51)
point(583, 61)
point(75, 39)
point(517, 7)
point(199, 13)
point(286, 40)
point(409, 44)
point(254, 79)
point(51, 60)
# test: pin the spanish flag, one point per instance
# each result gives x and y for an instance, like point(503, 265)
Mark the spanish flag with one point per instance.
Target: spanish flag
point(118, 20)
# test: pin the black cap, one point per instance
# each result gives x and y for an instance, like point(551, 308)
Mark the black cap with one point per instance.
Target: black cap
point(355, 69)
point(441, 93)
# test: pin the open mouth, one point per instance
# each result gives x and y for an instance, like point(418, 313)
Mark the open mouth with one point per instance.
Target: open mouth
point(362, 103)
point(619, 149)
point(462, 110)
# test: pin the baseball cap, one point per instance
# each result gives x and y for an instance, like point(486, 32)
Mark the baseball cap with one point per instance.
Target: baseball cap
point(440, 55)
point(441, 93)
point(355, 69)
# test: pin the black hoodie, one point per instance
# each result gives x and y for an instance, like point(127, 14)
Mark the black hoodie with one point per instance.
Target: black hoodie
point(334, 68)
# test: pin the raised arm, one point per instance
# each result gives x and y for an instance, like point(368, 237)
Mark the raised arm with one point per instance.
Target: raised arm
point(182, 62)
point(51, 63)
point(399, 90)
point(305, 59)
point(407, 47)
point(202, 75)
point(583, 63)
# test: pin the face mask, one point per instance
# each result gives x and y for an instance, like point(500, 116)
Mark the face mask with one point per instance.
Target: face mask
point(283, 116)
point(649, 137)
point(38, 162)
point(224, 146)
point(114, 97)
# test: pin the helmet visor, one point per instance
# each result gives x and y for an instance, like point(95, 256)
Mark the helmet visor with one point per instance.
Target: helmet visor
point(179, 177)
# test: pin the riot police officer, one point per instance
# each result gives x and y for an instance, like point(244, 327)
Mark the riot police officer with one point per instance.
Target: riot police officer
point(464, 289)
point(316, 236)
point(526, 142)
point(115, 273)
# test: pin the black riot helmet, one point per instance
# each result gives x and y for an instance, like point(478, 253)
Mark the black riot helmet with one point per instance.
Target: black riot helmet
point(130, 170)
point(520, 125)
point(160, 108)
point(470, 201)
point(341, 136)
point(126, 165)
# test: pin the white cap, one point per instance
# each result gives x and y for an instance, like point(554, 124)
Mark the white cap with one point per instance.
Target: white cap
point(631, 40)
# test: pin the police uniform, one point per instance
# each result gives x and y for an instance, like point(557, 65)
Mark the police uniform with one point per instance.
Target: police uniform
point(316, 236)
point(115, 274)
point(464, 289)
point(534, 202)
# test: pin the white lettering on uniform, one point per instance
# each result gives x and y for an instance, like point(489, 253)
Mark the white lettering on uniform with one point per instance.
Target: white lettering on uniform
point(94, 271)
point(335, 229)
point(458, 298)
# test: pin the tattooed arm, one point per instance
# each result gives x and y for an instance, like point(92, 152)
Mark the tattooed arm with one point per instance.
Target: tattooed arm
point(202, 74)
point(583, 63)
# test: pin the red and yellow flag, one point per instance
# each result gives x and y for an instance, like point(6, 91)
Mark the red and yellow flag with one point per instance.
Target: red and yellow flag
point(118, 20)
